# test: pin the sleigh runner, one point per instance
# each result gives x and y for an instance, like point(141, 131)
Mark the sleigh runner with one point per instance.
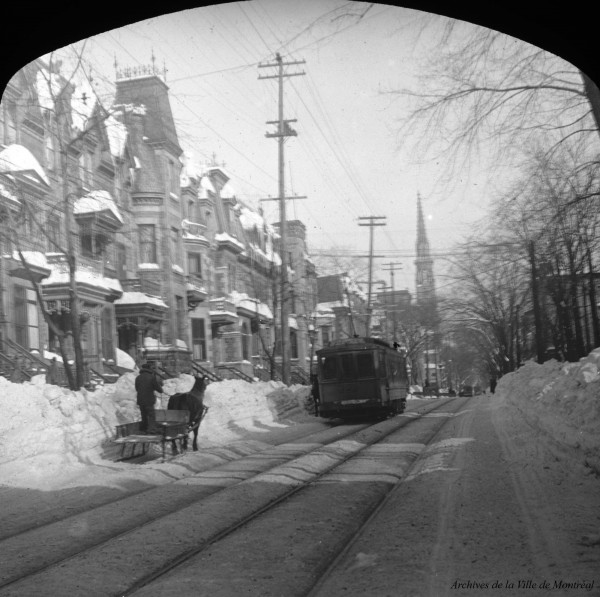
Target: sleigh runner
point(173, 426)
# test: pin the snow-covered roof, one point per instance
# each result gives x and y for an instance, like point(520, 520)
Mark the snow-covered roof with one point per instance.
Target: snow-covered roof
point(16, 158)
point(250, 218)
point(84, 275)
point(138, 298)
point(155, 344)
point(97, 201)
point(242, 300)
point(188, 235)
point(224, 237)
point(206, 184)
point(117, 137)
point(227, 191)
point(191, 169)
point(195, 287)
point(33, 258)
point(139, 109)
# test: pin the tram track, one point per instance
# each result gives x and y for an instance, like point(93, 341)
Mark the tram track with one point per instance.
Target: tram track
point(78, 542)
point(335, 562)
point(79, 500)
point(303, 527)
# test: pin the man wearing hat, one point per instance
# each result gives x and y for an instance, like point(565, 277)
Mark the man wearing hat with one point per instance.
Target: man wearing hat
point(146, 383)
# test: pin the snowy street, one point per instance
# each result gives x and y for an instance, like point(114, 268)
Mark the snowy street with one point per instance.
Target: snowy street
point(492, 501)
point(447, 499)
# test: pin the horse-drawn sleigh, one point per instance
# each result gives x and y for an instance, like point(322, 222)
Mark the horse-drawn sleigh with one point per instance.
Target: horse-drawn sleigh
point(183, 416)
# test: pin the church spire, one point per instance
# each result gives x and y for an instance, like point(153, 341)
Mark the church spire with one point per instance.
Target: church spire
point(422, 242)
point(426, 298)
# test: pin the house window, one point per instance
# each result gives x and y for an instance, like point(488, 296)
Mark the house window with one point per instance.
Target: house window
point(87, 240)
point(195, 265)
point(26, 318)
point(246, 341)
point(147, 236)
point(97, 244)
point(199, 340)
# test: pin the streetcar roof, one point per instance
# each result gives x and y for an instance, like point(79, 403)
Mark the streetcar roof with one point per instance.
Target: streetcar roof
point(354, 343)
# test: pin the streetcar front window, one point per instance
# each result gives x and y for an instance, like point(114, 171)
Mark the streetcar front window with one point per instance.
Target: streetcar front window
point(328, 367)
point(364, 365)
point(348, 370)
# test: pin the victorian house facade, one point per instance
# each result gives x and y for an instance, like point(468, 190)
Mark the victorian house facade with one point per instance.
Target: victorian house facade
point(171, 266)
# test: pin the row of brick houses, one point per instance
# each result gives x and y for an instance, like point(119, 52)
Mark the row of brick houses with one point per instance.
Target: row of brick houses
point(171, 265)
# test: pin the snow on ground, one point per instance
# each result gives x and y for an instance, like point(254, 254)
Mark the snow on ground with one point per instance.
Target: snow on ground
point(51, 436)
point(562, 400)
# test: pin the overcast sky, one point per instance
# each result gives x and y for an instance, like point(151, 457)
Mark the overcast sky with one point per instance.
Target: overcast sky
point(346, 158)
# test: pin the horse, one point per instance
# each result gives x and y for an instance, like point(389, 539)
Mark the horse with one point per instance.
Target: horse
point(191, 401)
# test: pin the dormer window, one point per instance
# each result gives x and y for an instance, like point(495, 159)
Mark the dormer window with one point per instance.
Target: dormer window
point(97, 243)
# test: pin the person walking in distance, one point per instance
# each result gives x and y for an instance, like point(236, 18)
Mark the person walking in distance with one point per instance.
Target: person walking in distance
point(146, 383)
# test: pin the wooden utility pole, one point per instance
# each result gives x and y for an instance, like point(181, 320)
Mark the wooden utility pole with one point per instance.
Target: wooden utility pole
point(371, 223)
point(284, 130)
point(392, 268)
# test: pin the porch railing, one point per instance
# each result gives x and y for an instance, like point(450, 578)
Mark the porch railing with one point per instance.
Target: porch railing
point(200, 370)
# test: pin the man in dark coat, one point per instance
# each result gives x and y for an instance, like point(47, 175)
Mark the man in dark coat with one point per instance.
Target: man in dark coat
point(146, 383)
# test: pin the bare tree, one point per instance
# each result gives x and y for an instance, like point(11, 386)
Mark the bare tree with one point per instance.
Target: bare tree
point(483, 90)
point(492, 291)
point(555, 207)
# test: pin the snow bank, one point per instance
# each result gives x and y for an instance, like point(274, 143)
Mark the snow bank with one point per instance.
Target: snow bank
point(562, 399)
point(45, 429)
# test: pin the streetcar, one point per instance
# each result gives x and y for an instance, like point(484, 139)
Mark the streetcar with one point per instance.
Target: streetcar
point(361, 376)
